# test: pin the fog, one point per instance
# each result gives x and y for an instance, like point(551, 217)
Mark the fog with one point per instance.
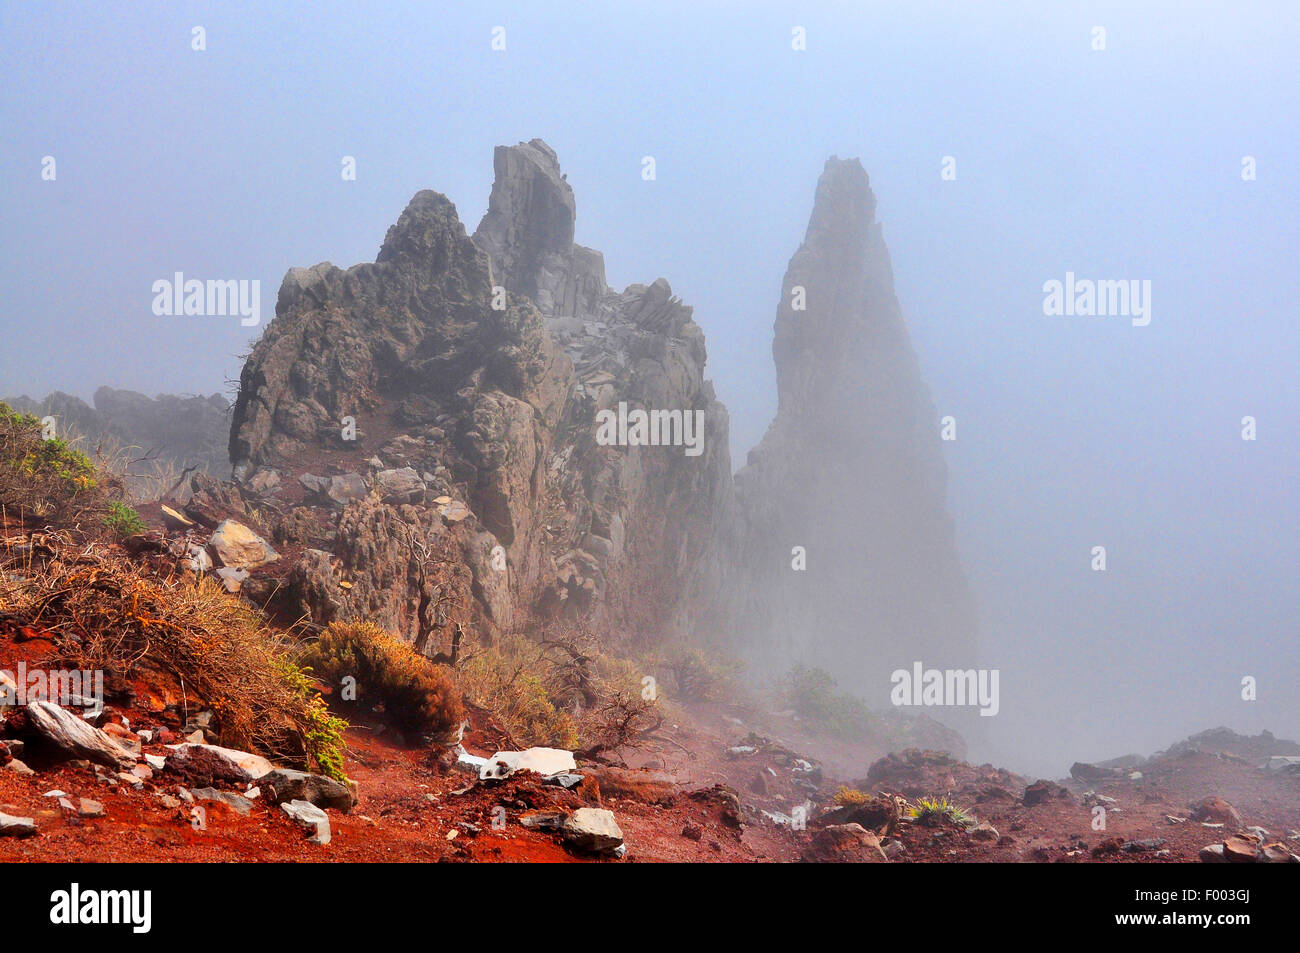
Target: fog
point(1169, 156)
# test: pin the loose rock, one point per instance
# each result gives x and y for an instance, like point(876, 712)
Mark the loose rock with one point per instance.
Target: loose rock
point(593, 830)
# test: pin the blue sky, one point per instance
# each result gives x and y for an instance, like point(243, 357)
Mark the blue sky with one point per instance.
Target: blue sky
point(1122, 163)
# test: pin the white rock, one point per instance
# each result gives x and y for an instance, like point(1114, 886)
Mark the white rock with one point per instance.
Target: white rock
point(309, 817)
point(16, 826)
point(470, 763)
point(254, 764)
point(543, 761)
point(75, 737)
point(197, 558)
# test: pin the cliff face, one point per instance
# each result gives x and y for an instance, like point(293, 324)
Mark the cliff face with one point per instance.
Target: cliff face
point(472, 487)
point(636, 525)
point(850, 470)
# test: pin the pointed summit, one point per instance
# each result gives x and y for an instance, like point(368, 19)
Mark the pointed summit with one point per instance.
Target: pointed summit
point(850, 470)
point(528, 233)
point(844, 205)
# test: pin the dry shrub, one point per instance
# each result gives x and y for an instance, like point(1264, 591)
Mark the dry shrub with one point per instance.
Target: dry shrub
point(700, 676)
point(622, 720)
point(563, 691)
point(510, 680)
point(145, 476)
point(108, 613)
point(417, 696)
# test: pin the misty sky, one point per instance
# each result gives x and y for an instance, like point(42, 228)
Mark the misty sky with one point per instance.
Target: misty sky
point(1072, 431)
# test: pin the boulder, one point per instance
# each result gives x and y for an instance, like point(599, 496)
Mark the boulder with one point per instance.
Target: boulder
point(984, 832)
point(400, 486)
point(593, 830)
point(212, 764)
point(1277, 853)
point(844, 844)
point(74, 737)
point(342, 490)
point(1042, 791)
point(1215, 810)
point(283, 784)
point(238, 547)
point(241, 805)
point(875, 813)
point(16, 826)
point(1241, 849)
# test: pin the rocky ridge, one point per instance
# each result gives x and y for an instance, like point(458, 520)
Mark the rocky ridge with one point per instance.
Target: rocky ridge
point(440, 422)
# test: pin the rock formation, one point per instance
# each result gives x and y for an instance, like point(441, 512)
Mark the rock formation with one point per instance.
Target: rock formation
point(641, 523)
point(430, 425)
point(850, 470)
point(438, 408)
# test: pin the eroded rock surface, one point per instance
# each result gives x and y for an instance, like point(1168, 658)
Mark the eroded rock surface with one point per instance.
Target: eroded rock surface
point(438, 408)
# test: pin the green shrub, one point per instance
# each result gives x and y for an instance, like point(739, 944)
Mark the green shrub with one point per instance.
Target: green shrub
point(122, 520)
point(46, 478)
point(322, 731)
point(930, 810)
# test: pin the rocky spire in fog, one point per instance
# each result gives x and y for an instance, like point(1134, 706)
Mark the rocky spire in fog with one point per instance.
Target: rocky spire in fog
point(850, 469)
point(528, 233)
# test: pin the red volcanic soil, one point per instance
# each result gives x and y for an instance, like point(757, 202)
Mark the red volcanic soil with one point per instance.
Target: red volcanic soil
point(406, 812)
point(722, 783)
point(409, 811)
